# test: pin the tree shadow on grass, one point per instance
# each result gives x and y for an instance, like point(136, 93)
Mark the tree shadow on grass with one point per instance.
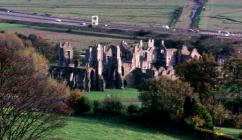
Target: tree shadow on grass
point(119, 123)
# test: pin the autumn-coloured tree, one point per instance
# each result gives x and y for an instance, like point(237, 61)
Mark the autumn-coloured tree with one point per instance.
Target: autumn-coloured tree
point(27, 95)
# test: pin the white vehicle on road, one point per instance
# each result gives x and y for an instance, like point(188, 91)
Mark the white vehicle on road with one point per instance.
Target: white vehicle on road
point(166, 27)
point(84, 23)
point(227, 34)
point(224, 33)
point(58, 20)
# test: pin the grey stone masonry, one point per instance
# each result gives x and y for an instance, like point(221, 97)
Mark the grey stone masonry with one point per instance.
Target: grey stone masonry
point(119, 66)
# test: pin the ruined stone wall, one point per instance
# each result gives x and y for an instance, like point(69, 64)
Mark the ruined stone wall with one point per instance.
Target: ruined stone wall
point(66, 54)
point(119, 66)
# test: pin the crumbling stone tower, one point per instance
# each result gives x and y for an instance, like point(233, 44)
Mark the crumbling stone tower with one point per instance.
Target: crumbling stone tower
point(65, 54)
point(94, 66)
point(114, 73)
point(107, 67)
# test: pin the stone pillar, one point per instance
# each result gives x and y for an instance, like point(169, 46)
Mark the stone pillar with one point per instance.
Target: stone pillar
point(119, 77)
point(89, 57)
point(140, 44)
point(151, 43)
point(99, 60)
point(119, 61)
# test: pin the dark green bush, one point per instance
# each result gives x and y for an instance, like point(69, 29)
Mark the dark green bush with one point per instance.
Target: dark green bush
point(97, 106)
point(81, 105)
point(240, 135)
point(199, 116)
point(111, 106)
point(201, 111)
point(187, 107)
point(234, 105)
point(133, 109)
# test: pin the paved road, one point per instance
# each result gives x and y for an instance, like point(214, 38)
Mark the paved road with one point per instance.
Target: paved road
point(23, 17)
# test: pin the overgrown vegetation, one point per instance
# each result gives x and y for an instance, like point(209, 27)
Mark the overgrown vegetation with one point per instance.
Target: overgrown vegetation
point(45, 48)
point(196, 115)
point(29, 98)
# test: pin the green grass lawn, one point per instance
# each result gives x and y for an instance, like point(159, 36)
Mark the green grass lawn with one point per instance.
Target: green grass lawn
point(127, 96)
point(95, 129)
point(8, 26)
point(230, 131)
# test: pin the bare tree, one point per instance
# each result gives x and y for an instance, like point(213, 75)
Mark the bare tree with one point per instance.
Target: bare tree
point(27, 95)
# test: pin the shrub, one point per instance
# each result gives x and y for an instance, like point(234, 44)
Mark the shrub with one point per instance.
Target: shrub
point(97, 106)
point(198, 114)
point(195, 121)
point(79, 103)
point(62, 108)
point(112, 106)
point(234, 105)
point(75, 95)
point(201, 111)
point(237, 119)
point(240, 135)
point(133, 109)
point(219, 113)
point(188, 106)
point(84, 105)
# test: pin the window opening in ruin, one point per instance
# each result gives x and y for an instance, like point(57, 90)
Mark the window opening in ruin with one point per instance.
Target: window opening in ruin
point(122, 71)
point(68, 57)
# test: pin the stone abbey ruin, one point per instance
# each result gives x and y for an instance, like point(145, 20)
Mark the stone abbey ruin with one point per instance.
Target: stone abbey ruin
point(118, 66)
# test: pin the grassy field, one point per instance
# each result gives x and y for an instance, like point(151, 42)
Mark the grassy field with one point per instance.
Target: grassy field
point(77, 41)
point(222, 15)
point(185, 20)
point(230, 131)
point(7, 26)
point(120, 11)
point(127, 96)
point(96, 129)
